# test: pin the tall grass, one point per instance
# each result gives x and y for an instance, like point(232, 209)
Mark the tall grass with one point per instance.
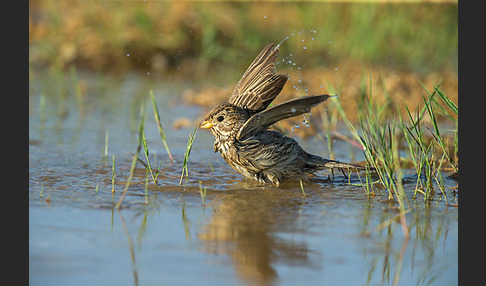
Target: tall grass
point(425, 155)
point(381, 150)
point(143, 141)
point(383, 138)
point(159, 125)
point(113, 175)
point(437, 137)
point(190, 141)
point(302, 189)
point(422, 154)
point(134, 162)
point(154, 172)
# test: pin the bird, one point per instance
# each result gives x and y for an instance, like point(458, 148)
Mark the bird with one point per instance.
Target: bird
point(241, 127)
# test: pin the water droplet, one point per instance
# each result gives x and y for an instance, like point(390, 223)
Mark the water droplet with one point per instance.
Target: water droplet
point(264, 17)
point(293, 110)
point(330, 42)
point(322, 86)
point(335, 69)
point(128, 54)
point(148, 73)
point(304, 48)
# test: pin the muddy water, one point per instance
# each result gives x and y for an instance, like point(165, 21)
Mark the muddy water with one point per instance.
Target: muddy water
point(240, 233)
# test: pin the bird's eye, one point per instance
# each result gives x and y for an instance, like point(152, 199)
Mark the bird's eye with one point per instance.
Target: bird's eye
point(220, 118)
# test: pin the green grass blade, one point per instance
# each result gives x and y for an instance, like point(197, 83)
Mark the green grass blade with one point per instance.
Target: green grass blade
point(302, 189)
point(447, 101)
point(159, 125)
point(132, 169)
point(113, 175)
point(146, 152)
point(187, 153)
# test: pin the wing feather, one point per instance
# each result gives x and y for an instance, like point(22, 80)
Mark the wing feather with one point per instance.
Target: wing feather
point(260, 84)
point(290, 108)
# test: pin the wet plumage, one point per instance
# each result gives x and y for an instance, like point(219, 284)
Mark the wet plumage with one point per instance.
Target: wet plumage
point(240, 127)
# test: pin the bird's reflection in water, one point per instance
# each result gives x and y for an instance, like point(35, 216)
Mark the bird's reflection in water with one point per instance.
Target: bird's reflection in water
point(245, 226)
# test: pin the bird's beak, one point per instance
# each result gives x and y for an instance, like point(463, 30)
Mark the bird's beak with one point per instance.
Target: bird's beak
point(206, 125)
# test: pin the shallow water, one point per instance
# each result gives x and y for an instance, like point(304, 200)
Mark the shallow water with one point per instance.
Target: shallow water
point(240, 233)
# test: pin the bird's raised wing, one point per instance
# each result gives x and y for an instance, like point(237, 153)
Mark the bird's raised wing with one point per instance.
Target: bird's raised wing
point(260, 84)
point(291, 108)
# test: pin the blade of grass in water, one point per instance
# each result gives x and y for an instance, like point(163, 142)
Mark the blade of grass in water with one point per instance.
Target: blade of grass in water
point(132, 170)
point(159, 125)
point(302, 189)
point(414, 146)
point(113, 175)
point(134, 162)
point(437, 136)
point(449, 102)
point(146, 152)
point(186, 155)
point(153, 173)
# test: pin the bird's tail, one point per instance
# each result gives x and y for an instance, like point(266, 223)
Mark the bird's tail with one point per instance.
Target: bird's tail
point(323, 163)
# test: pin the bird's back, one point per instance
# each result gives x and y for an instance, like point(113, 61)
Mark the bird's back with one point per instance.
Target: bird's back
point(268, 157)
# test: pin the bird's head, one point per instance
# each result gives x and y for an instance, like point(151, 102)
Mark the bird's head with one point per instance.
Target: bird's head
point(225, 122)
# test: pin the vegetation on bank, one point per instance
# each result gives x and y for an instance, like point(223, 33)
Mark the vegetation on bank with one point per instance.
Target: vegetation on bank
point(196, 36)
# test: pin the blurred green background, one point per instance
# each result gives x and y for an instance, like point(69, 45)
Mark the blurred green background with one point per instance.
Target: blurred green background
point(199, 35)
point(335, 43)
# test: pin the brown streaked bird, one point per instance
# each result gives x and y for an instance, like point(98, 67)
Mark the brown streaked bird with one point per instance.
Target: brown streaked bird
point(240, 127)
